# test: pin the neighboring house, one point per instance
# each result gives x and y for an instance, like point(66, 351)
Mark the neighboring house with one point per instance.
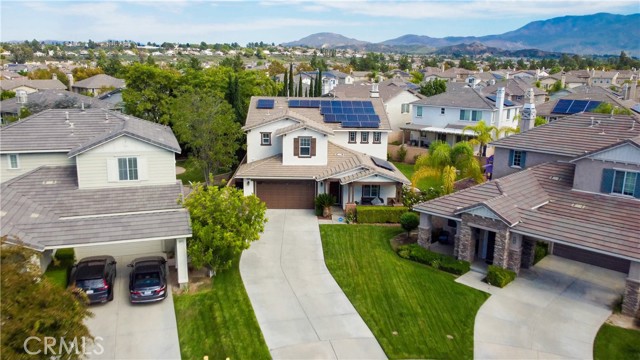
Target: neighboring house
point(301, 147)
point(98, 84)
point(94, 180)
point(330, 79)
point(603, 78)
point(50, 99)
point(397, 95)
point(516, 88)
point(556, 108)
point(30, 86)
point(561, 140)
point(443, 117)
point(567, 81)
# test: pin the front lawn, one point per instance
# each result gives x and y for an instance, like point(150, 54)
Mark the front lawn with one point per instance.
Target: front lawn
point(614, 343)
point(219, 321)
point(57, 275)
point(424, 183)
point(414, 311)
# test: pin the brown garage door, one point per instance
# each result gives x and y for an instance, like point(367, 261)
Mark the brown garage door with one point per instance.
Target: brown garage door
point(287, 194)
point(590, 257)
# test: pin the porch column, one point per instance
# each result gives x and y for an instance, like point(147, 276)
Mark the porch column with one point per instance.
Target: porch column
point(181, 262)
point(501, 249)
point(464, 242)
point(424, 231)
point(631, 303)
point(528, 252)
point(515, 253)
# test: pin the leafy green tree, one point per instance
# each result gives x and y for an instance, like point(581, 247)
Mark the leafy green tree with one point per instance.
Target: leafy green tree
point(607, 108)
point(44, 74)
point(290, 86)
point(539, 120)
point(417, 77)
point(276, 68)
point(433, 87)
point(224, 223)
point(409, 221)
point(483, 133)
point(149, 91)
point(20, 54)
point(81, 73)
point(206, 124)
point(404, 63)
point(235, 63)
point(34, 307)
point(7, 94)
point(444, 162)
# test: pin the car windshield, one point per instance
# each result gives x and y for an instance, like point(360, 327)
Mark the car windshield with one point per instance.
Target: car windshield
point(147, 279)
point(90, 284)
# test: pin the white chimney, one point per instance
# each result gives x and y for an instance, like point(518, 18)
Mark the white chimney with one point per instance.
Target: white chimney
point(21, 96)
point(374, 93)
point(70, 77)
point(528, 118)
point(54, 76)
point(500, 104)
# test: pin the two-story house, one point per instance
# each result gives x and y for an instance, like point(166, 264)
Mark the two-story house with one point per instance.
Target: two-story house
point(516, 89)
point(444, 116)
point(585, 206)
point(298, 148)
point(97, 84)
point(94, 180)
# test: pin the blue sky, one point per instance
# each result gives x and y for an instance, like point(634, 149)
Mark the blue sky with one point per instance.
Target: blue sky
point(280, 21)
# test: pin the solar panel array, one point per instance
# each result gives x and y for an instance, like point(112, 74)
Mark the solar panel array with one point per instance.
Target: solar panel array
point(382, 163)
point(355, 114)
point(265, 104)
point(570, 107)
point(506, 102)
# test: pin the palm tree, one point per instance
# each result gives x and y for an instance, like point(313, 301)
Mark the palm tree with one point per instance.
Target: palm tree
point(445, 162)
point(483, 133)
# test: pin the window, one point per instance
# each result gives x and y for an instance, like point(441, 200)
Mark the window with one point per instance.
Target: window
point(419, 111)
point(13, 161)
point(364, 137)
point(405, 108)
point(441, 137)
point(352, 137)
point(377, 137)
point(470, 115)
point(265, 138)
point(305, 147)
point(128, 168)
point(624, 182)
point(442, 111)
point(370, 190)
point(517, 158)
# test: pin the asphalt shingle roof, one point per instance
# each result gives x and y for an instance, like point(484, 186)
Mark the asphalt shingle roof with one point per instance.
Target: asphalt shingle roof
point(35, 84)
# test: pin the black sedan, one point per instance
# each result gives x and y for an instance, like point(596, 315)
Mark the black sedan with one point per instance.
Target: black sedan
point(95, 276)
point(148, 279)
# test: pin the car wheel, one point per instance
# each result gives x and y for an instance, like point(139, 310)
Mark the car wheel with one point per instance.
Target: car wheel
point(110, 297)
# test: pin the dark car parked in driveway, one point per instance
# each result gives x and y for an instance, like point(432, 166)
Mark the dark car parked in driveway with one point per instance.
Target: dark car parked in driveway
point(148, 279)
point(95, 276)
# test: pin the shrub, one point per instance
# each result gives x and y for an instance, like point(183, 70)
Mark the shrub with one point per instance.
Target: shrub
point(379, 214)
point(402, 153)
point(323, 201)
point(446, 263)
point(500, 277)
point(541, 250)
point(409, 221)
point(65, 257)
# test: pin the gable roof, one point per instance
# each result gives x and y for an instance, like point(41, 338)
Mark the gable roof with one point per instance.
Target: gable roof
point(44, 209)
point(514, 87)
point(100, 81)
point(459, 97)
point(49, 99)
point(574, 135)
point(539, 202)
point(387, 89)
point(634, 142)
point(35, 84)
point(51, 131)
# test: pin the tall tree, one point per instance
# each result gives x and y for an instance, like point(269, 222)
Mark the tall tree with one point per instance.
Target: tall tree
point(433, 87)
point(300, 85)
point(149, 91)
point(319, 84)
point(34, 307)
point(285, 88)
point(483, 133)
point(206, 124)
point(290, 92)
point(224, 223)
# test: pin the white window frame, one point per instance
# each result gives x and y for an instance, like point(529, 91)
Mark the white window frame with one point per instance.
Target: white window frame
point(353, 137)
point(625, 181)
point(364, 137)
point(17, 158)
point(517, 159)
point(405, 108)
point(131, 173)
point(377, 137)
point(303, 145)
point(267, 138)
point(418, 111)
point(471, 113)
point(368, 191)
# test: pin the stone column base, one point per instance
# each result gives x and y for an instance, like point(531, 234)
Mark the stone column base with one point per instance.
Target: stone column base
point(631, 304)
point(424, 237)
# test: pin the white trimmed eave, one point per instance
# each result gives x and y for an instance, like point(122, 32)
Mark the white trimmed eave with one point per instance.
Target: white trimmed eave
point(52, 247)
point(119, 136)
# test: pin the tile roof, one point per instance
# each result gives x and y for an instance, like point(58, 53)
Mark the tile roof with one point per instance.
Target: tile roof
point(574, 135)
point(44, 208)
point(51, 131)
point(388, 89)
point(340, 161)
point(47, 99)
point(461, 97)
point(100, 81)
point(540, 202)
point(514, 87)
point(35, 84)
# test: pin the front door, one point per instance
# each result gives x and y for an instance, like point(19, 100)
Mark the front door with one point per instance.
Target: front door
point(491, 242)
point(335, 191)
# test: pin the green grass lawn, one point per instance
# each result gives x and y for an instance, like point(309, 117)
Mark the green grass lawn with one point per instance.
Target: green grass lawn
point(613, 343)
point(219, 321)
point(192, 173)
point(423, 184)
point(411, 308)
point(57, 275)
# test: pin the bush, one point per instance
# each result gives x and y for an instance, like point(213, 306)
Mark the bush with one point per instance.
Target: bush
point(499, 277)
point(379, 214)
point(446, 263)
point(541, 250)
point(402, 153)
point(409, 221)
point(322, 201)
point(65, 257)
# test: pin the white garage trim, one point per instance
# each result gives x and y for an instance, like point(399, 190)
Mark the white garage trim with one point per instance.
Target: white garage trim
point(117, 242)
point(132, 249)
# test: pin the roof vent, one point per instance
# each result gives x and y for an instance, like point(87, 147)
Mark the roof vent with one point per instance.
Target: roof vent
point(66, 115)
point(556, 178)
point(579, 206)
point(49, 182)
point(35, 215)
point(3, 213)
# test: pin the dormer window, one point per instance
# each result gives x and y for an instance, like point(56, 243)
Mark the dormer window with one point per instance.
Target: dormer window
point(305, 147)
point(265, 139)
point(128, 168)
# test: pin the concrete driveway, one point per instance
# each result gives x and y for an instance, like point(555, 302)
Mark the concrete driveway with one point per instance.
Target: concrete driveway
point(553, 310)
point(301, 310)
point(144, 331)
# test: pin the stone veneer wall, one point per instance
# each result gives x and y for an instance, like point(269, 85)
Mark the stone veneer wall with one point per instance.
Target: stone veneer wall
point(631, 304)
point(466, 240)
point(528, 252)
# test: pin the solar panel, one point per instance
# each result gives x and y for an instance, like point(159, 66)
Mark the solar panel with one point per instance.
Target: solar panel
point(562, 107)
point(578, 106)
point(294, 103)
point(352, 124)
point(369, 124)
point(382, 163)
point(265, 104)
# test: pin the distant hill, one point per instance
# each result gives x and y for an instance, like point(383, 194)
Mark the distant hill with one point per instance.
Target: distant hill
point(596, 34)
point(326, 39)
point(477, 49)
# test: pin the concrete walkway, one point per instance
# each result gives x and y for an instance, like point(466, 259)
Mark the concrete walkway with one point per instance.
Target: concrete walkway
point(301, 310)
point(553, 310)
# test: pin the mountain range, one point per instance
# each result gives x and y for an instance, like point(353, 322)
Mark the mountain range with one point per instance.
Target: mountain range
point(596, 34)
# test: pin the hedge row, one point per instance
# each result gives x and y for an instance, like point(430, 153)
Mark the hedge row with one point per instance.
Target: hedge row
point(379, 214)
point(499, 277)
point(446, 263)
